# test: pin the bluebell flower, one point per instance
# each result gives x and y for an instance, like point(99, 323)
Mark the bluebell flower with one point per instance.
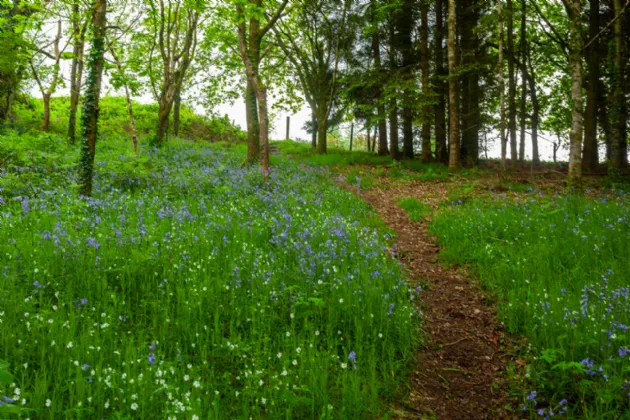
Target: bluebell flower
point(26, 208)
point(353, 358)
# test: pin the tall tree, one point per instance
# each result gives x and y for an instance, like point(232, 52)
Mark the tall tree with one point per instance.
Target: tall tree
point(619, 154)
point(253, 24)
point(79, 28)
point(394, 149)
point(48, 76)
point(90, 112)
point(501, 86)
point(454, 132)
point(440, 90)
point(590, 153)
point(378, 69)
point(531, 79)
point(426, 89)
point(175, 27)
point(314, 42)
point(122, 80)
point(574, 12)
point(469, 81)
point(523, 109)
point(511, 83)
point(404, 28)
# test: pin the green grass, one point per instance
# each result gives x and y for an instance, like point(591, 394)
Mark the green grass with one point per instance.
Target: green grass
point(560, 268)
point(363, 181)
point(189, 287)
point(115, 120)
point(383, 165)
point(415, 209)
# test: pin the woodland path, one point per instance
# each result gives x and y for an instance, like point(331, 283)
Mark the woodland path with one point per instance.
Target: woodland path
point(460, 371)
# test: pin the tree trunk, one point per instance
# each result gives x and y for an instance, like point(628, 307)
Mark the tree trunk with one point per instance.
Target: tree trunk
point(454, 158)
point(475, 118)
point(426, 89)
point(132, 121)
point(511, 84)
point(440, 109)
point(393, 129)
point(261, 95)
point(382, 130)
point(314, 129)
point(322, 131)
point(603, 118)
point(590, 154)
point(176, 59)
point(535, 114)
point(380, 107)
point(523, 110)
point(176, 107)
point(163, 115)
point(619, 153)
point(46, 120)
point(574, 10)
point(407, 116)
point(393, 102)
point(89, 117)
point(288, 128)
point(76, 71)
point(253, 126)
point(369, 131)
point(501, 87)
point(469, 151)
point(405, 27)
point(351, 135)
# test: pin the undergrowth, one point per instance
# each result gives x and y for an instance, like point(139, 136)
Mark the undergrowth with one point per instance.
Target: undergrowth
point(560, 267)
point(189, 287)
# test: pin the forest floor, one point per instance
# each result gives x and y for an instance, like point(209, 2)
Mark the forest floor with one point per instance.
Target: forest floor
point(460, 371)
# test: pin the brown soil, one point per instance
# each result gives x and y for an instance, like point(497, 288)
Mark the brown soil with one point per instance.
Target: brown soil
point(460, 371)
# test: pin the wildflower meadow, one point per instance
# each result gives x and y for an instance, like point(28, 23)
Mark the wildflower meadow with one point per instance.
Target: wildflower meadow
point(190, 288)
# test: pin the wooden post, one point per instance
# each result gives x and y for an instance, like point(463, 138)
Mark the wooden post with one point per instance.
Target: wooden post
point(351, 135)
point(288, 122)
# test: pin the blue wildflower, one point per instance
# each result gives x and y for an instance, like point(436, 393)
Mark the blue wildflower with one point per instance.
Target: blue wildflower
point(353, 358)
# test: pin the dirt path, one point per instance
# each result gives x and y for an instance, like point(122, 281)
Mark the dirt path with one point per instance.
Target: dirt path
point(460, 369)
